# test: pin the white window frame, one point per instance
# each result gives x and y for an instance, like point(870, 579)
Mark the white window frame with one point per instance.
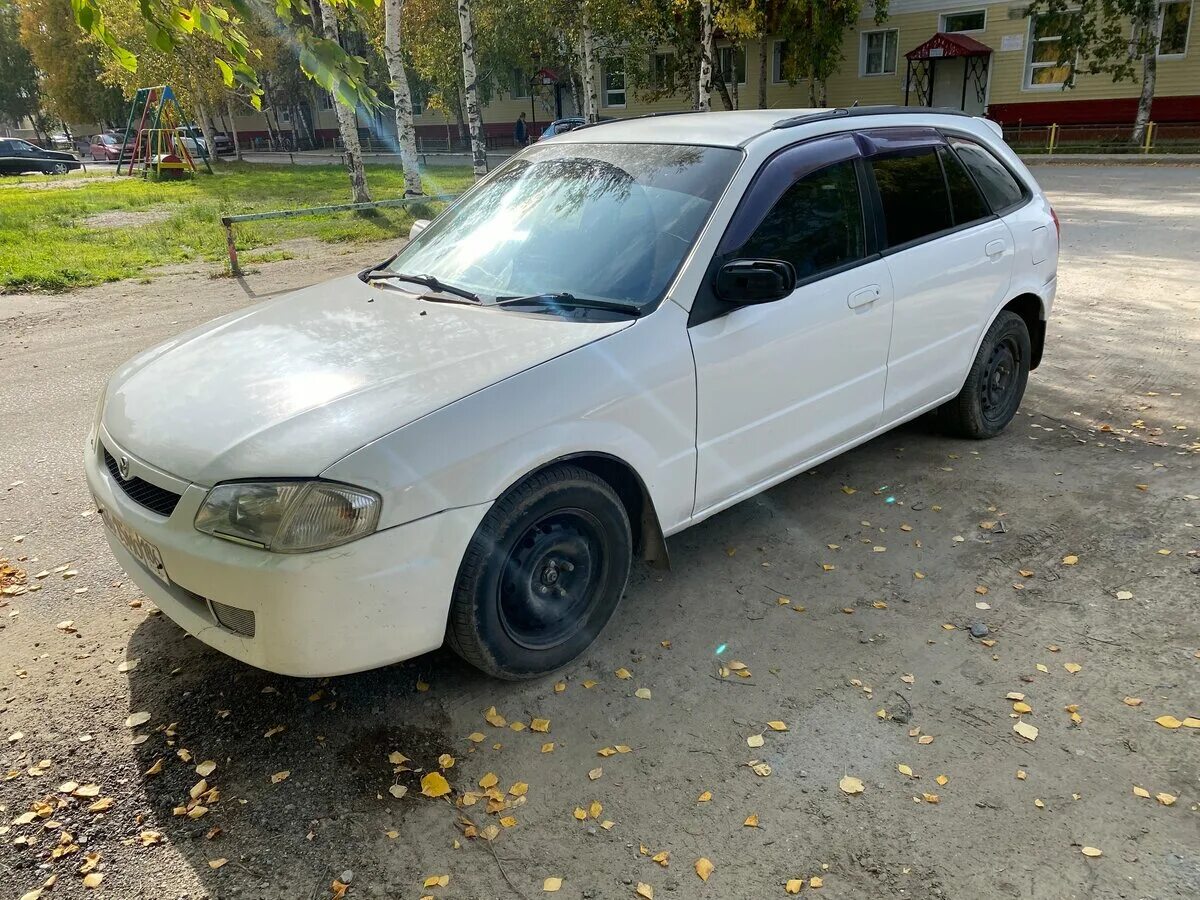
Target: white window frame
point(730, 49)
point(777, 62)
point(862, 53)
point(1187, 38)
point(1027, 78)
point(671, 71)
point(324, 101)
point(604, 89)
point(963, 12)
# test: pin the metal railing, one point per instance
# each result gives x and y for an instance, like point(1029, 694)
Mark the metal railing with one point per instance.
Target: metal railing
point(227, 222)
point(1160, 137)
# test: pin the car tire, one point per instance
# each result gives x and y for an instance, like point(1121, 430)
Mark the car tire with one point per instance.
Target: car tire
point(542, 575)
point(59, 169)
point(995, 384)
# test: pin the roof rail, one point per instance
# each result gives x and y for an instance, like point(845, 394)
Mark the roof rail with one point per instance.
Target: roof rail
point(856, 111)
point(653, 115)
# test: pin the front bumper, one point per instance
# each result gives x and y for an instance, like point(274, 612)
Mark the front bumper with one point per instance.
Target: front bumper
point(359, 606)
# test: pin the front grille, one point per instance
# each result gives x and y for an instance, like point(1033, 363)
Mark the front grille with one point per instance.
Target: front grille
point(234, 618)
point(156, 499)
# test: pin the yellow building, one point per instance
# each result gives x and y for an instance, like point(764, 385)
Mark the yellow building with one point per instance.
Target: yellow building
point(987, 57)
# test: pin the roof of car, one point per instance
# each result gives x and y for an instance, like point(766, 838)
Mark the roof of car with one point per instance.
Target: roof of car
point(727, 129)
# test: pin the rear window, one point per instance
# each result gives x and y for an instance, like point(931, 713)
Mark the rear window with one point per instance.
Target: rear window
point(913, 192)
point(1001, 189)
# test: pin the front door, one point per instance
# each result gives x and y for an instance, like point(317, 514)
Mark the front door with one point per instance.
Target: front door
point(781, 383)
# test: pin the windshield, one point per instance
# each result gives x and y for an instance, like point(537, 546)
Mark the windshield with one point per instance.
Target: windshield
point(605, 221)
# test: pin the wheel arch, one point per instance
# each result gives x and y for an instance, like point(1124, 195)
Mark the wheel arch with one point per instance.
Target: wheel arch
point(1029, 307)
point(649, 543)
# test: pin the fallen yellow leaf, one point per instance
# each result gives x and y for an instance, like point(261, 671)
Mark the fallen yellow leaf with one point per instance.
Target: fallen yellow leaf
point(705, 797)
point(794, 885)
point(850, 785)
point(905, 770)
point(751, 821)
point(942, 780)
point(1166, 799)
point(446, 761)
point(551, 884)
point(816, 881)
point(595, 773)
point(1072, 667)
point(755, 740)
point(437, 881)
point(434, 784)
point(519, 789)
point(595, 809)
point(1140, 791)
point(1070, 560)
point(1092, 852)
point(280, 776)
point(1027, 731)
point(704, 868)
point(217, 863)
point(642, 693)
point(644, 890)
point(542, 725)
point(488, 781)
point(1168, 721)
point(662, 857)
point(623, 673)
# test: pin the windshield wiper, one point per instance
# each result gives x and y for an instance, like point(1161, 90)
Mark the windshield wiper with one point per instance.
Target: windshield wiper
point(565, 298)
point(434, 284)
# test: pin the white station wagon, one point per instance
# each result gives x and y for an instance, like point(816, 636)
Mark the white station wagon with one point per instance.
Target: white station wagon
point(615, 335)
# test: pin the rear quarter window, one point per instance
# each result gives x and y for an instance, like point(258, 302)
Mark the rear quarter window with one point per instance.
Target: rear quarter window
point(999, 186)
point(913, 194)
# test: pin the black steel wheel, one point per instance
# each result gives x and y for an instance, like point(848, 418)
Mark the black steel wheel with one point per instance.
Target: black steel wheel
point(995, 383)
point(542, 575)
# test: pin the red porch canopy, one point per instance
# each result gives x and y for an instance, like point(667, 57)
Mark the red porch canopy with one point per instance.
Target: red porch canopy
point(943, 45)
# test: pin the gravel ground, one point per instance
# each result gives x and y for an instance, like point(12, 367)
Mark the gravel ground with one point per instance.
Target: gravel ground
point(1072, 538)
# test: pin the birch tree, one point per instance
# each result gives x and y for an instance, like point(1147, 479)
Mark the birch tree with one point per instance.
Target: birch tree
point(466, 26)
point(406, 133)
point(707, 52)
point(587, 57)
point(1095, 39)
point(347, 126)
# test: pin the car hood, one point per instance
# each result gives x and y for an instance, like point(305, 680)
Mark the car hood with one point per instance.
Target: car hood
point(289, 387)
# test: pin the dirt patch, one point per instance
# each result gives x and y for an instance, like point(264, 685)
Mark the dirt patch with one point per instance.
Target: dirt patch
point(126, 218)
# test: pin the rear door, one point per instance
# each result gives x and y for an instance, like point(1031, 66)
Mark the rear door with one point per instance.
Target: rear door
point(950, 260)
point(779, 384)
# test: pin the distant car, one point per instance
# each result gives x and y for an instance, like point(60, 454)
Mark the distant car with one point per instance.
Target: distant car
point(193, 139)
point(109, 147)
point(18, 156)
point(568, 123)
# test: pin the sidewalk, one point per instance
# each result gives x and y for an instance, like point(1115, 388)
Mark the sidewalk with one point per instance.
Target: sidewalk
point(334, 157)
point(1110, 159)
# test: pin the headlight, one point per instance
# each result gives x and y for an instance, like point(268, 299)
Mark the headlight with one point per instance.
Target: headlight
point(289, 516)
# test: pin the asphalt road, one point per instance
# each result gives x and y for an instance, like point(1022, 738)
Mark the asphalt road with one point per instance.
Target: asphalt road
point(1101, 466)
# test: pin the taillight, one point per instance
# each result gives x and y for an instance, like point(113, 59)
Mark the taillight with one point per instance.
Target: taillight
point(1057, 224)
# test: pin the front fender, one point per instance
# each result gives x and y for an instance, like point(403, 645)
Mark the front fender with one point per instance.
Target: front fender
point(631, 396)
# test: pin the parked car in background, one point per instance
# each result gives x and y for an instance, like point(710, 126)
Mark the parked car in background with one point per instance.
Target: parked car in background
point(610, 338)
point(18, 157)
point(193, 139)
point(567, 123)
point(109, 147)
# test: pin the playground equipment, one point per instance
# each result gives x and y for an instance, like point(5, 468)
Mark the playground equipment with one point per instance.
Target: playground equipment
point(159, 143)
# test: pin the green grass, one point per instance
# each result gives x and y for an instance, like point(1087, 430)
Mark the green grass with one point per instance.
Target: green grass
point(47, 244)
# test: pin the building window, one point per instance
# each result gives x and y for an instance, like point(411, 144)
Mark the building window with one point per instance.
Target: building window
point(1045, 42)
point(662, 71)
point(324, 101)
point(879, 52)
point(1173, 28)
point(418, 101)
point(732, 63)
point(520, 85)
point(613, 78)
point(958, 22)
point(783, 64)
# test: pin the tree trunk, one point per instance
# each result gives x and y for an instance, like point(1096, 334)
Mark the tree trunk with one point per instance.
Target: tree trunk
point(206, 129)
point(721, 80)
point(762, 70)
point(459, 118)
point(466, 26)
point(406, 133)
point(237, 144)
point(1149, 76)
point(704, 87)
point(346, 123)
point(588, 75)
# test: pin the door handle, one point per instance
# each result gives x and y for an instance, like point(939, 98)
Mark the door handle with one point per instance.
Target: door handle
point(995, 249)
point(863, 296)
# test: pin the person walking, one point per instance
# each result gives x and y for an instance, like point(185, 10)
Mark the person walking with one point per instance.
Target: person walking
point(521, 132)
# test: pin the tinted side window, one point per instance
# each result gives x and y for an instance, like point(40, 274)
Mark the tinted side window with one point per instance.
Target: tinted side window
point(996, 182)
point(965, 200)
point(913, 191)
point(817, 225)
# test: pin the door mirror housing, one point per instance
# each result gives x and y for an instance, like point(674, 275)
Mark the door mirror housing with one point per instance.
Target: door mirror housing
point(418, 226)
point(746, 281)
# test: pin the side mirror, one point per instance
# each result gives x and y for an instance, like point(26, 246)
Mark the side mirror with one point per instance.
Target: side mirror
point(755, 280)
point(418, 226)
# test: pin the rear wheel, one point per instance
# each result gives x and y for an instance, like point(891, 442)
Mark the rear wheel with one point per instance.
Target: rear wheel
point(996, 382)
point(59, 169)
point(542, 575)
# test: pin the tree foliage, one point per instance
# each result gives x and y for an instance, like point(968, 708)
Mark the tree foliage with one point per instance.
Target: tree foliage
point(1096, 34)
point(19, 94)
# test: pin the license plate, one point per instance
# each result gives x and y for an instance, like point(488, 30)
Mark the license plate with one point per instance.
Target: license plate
point(140, 548)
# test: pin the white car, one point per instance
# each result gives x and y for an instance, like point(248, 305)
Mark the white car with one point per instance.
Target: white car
point(613, 336)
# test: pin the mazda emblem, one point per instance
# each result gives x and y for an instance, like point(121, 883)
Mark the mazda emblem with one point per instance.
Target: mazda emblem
point(123, 467)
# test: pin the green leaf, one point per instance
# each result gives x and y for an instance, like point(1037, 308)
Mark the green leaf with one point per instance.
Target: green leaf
point(226, 71)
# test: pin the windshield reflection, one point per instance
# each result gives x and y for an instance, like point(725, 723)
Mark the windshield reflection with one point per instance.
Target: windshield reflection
point(606, 221)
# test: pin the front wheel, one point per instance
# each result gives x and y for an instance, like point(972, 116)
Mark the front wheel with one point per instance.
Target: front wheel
point(542, 575)
point(996, 382)
point(59, 169)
